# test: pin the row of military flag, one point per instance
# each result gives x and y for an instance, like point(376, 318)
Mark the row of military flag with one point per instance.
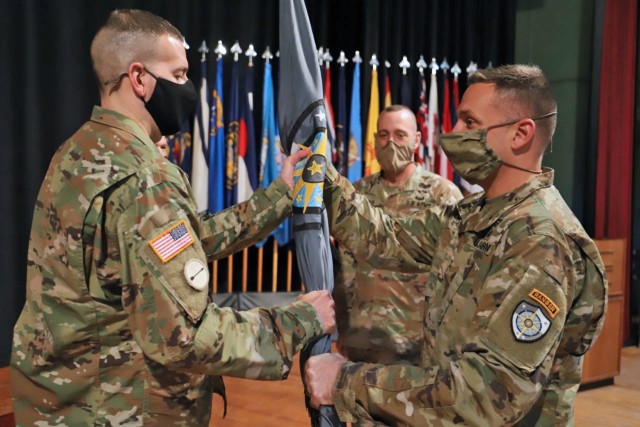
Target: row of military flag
point(226, 165)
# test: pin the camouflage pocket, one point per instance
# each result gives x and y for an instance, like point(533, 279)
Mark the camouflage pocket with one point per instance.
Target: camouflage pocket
point(527, 324)
point(410, 384)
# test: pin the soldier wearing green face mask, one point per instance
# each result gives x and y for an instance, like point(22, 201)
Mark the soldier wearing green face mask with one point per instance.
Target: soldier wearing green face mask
point(118, 327)
point(379, 312)
point(516, 293)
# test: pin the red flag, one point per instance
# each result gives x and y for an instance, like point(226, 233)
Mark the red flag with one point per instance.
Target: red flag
point(387, 90)
point(331, 134)
point(422, 120)
point(444, 166)
point(456, 93)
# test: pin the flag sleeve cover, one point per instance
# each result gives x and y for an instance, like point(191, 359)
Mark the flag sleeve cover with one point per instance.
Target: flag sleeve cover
point(303, 121)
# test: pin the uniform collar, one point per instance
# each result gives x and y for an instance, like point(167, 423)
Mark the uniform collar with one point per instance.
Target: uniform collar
point(411, 184)
point(120, 121)
point(477, 213)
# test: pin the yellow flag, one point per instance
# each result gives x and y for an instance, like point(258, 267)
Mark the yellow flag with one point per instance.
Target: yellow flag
point(371, 164)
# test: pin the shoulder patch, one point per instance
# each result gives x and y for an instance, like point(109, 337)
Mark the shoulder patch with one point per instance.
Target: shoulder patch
point(546, 302)
point(529, 323)
point(172, 241)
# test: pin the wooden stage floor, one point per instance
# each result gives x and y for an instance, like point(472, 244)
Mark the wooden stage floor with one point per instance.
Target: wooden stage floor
point(277, 404)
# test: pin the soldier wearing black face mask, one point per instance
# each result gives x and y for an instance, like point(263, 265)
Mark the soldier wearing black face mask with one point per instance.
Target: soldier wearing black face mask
point(118, 328)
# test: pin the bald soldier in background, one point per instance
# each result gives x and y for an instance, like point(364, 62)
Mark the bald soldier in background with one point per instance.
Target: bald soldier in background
point(516, 292)
point(379, 312)
point(118, 328)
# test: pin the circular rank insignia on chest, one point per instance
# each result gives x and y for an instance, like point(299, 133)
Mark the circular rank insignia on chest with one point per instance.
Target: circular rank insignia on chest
point(528, 323)
point(197, 274)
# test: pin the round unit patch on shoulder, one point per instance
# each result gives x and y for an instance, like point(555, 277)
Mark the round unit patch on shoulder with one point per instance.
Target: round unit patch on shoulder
point(197, 274)
point(528, 323)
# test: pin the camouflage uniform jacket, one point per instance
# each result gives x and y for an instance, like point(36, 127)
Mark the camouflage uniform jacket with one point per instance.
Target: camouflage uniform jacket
point(118, 328)
point(380, 312)
point(515, 297)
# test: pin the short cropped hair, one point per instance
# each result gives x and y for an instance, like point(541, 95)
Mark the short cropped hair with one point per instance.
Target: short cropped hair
point(524, 91)
point(128, 36)
point(398, 107)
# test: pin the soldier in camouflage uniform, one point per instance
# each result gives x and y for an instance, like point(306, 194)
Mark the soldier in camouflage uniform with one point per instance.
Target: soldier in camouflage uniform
point(379, 312)
point(516, 292)
point(118, 328)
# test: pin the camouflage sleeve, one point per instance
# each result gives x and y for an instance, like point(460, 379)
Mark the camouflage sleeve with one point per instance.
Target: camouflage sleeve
point(165, 295)
point(237, 227)
point(403, 244)
point(496, 375)
point(344, 289)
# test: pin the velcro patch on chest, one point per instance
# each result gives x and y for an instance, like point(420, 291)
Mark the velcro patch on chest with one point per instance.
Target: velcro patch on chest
point(546, 302)
point(529, 323)
point(172, 241)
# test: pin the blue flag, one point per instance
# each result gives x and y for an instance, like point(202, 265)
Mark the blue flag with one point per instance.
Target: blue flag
point(354, 156)
point(216, 146)
point(179, 149)
point(231, 165)
point(271, 157)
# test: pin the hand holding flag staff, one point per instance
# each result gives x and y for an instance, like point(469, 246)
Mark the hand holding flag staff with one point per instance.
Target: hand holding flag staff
point(302, 118)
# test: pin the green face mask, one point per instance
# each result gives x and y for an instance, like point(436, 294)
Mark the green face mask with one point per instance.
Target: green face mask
point(471, 156)
point(393, 157)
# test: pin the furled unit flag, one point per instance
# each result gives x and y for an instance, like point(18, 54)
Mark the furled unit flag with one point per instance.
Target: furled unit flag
point(302, 116)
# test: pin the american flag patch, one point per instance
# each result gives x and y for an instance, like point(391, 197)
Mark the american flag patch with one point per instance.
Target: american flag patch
point(172, 241)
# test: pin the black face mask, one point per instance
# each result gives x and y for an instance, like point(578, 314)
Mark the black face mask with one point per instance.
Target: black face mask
point(171, 104)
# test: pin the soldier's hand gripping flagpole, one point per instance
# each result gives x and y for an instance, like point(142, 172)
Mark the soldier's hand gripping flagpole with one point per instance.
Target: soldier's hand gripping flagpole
point(302, 121)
